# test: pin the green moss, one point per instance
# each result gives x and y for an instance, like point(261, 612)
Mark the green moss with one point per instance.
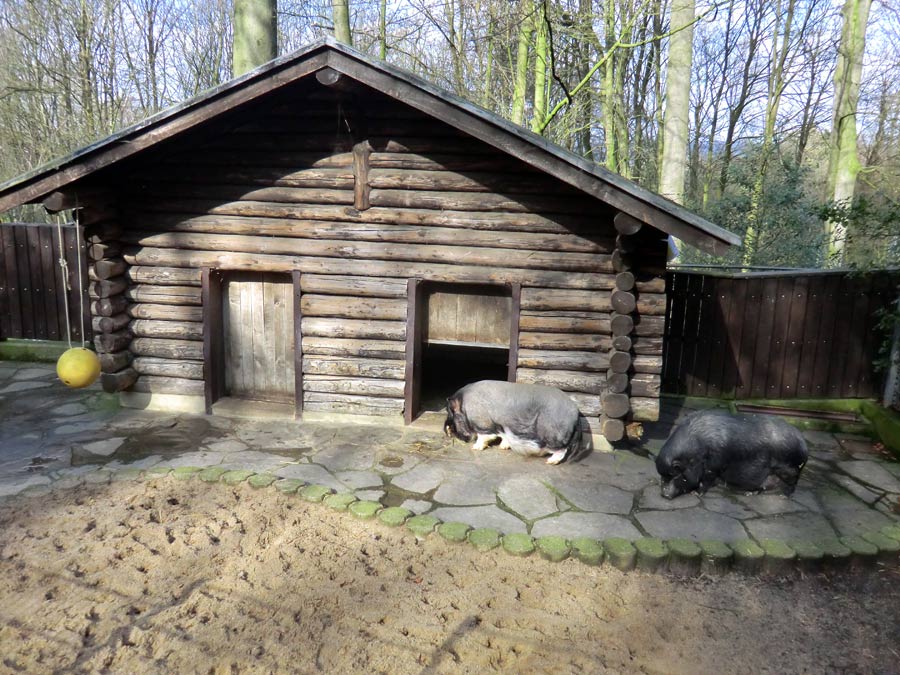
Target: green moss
point(455, 532)
point(887, 547)
point(236, 476)
point(340, 501)
point(553, 548)
point(423, 525)
point(39, 351)
point(587, 550)
point(835, 553)
point(684, 557)
point(314, 493)
point(807, 552)
point(289, 485)
point(518, 544)
point(715, 556)
point(394, 516)
point(484, 538)
point(859, 547)
point(748, 556)
point(652, 553)
point(212, 474)
point(261, 480)
point(892, 531)
point(779, 556)
point(185, 472)
point(159, 470)
point(364, 509)
point(620, 553)
point(886, 423)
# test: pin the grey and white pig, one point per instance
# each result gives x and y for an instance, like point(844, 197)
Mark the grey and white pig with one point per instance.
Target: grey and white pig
point(529, 419)
point(749, 452)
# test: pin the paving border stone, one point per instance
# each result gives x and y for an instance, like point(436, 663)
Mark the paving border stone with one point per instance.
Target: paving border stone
point(887, 547)
point(836, 555)
point(484, 538)
point(186, 472)
point(518, 544)
point(587, 550)
point(892, 531)
point(288, 485)
point(862, 552)
point(810, 556)
point(212, 474)
point(315, 493)
point(779, 558)
point(394, 516)
point(552, 548)
point(748, 556)
point(620, 553)
point(422, 525)
point(261, 480)
point(684, 557)
point(364, 510)
point(652, 554)
point(159, 471)
point(715, 556)
point(340, 501)
point(236, 476)
point(455, 532)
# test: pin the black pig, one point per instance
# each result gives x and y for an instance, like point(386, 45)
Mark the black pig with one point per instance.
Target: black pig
point(749, 452)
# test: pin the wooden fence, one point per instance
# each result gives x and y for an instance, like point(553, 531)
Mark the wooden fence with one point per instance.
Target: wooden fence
point(787, 334)
point(32, 290)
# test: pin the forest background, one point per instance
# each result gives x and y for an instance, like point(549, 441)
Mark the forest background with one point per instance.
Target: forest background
point(763, 100)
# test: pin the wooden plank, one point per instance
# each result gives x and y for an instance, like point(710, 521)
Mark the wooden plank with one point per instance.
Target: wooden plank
point(767, 298)
point(677, 332)
point(413, 370)
point(814, 293)
point(794, 338)
point(573, 360)
point(825, 347)
point(352, 307)
point(379, 268)
point(361, 187)
point(166, 312)
point(544, 321)
point(358, 286)
point(148, 365)
point(693, 303)
point(582, 342)
point(882, 296)
point(565, 299)
point(733, 331)
point(354, 385)
point(179, 330)
point(361, 250)
point(515, 336)
point(5, 311)
point(168, 385)
point(164, 276)
point(23, 284)
point(352, 405)
point(390, 369)
point(778, 348)
point(354, 328)
point(50, 280)
point(375, 349)
point(165, 295)
point(297, 342)
point(747, 350)
point(213, 337)
point(566, 380)
point(860, 288)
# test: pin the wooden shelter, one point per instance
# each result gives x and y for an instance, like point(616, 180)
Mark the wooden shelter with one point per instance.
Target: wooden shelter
point(337, 235)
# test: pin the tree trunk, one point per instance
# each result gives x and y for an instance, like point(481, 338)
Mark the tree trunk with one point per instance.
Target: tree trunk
point(521, 80)
point(844, 163)
point(255, 34)
point(341, 17)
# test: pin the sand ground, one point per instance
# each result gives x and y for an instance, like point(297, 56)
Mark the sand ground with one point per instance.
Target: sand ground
point(172, 576)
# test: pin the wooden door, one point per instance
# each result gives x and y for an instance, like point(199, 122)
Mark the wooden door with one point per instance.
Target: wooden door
point(258, 327)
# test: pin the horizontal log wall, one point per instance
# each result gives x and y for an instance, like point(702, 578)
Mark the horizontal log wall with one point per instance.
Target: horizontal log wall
point(277, 194)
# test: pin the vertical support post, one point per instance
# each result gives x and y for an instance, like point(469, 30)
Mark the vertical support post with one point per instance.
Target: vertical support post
point(413, 384)
point(516, 290)
point(213, 336)
point(298, 347)
point(361, 152)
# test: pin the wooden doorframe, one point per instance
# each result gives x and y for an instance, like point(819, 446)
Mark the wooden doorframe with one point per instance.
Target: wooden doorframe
point(416, 292)
point(214, 338)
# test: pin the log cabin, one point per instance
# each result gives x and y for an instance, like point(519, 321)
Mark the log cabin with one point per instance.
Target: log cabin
point(331, 234)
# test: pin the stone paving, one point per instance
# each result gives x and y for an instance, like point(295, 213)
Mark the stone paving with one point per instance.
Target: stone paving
point(52, 436)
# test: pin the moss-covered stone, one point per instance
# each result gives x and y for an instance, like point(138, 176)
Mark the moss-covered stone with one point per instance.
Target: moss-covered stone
point(620, 553)
point(127, 473)
point(886, 423)
point(185, 472)
point(340, 501)
point(455, 532)
point(861, 551)
point(587, 550)
point(422, 525)
point(779, 557)
point(715, 557)
point(552, 548)
point(212, 474)
point(394, 516)
point(684, 557)
point(748, 556)
point(364, 510)
point(261, 480)
point(484, 538)
point(314, 493)
point(288, 486)
point(887, 547)
point(892, 531)
point(809, 555)
point(157, 471)
point(652, 554)
point(835, 554)
point(236, 476)
point(518, 544)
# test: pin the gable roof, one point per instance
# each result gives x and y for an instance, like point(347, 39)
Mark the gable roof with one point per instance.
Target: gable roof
point(535, 150)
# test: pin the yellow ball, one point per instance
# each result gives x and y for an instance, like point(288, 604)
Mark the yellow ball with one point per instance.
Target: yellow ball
point(78, 367)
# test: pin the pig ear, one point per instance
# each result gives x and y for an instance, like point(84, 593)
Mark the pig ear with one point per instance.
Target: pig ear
point(454, 404)
point(677, 466)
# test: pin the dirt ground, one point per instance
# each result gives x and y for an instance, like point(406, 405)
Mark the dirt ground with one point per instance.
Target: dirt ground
point(185, 577)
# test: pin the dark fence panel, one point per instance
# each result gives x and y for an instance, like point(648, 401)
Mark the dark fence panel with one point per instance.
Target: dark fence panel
point(795, 334)
point(33, 292)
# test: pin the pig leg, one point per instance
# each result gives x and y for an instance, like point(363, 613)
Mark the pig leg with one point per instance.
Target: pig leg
point(556, 456)
point(482, 440)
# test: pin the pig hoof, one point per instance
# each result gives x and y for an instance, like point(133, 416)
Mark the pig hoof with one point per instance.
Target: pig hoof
point(504, 445)
point(556, 457)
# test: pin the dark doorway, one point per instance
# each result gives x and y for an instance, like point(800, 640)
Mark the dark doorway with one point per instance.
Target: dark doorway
point(461, 333)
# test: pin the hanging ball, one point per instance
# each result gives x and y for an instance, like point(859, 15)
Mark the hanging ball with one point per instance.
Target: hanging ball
point(78, 367)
